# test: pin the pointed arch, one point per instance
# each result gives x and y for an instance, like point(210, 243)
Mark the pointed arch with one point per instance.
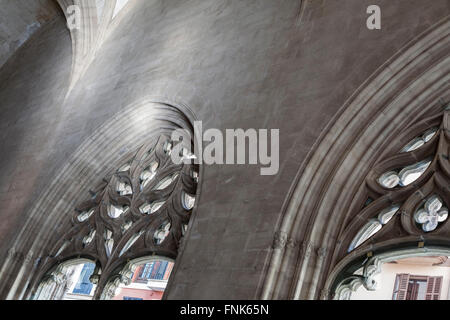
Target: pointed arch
point(409, 88)
point(103, 156)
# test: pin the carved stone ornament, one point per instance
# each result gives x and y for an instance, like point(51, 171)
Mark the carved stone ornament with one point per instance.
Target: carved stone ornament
point(280, 240)
point(365, 276)
point(409, 188)
point(141, 208)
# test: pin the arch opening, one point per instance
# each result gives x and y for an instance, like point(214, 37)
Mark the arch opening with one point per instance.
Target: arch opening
point(123, 206)
point(144, 278)
point(396, 274)
point(378, 175)
point(123, 219)
point(74, 279)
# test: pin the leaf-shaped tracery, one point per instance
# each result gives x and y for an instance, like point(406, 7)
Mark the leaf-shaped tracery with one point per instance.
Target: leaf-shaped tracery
point(373, 226)
point(404, 176)
point(417, 176)
point(162, 232)
point(142, 208)
point(85, 215)
point(419, 141)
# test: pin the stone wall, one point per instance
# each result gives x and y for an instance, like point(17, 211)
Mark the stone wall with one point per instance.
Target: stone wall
point(235, 64)
point(19, 21)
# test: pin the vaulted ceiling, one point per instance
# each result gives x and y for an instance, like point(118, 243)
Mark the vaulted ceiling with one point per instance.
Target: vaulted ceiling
point(19, 19)
point(96, 17)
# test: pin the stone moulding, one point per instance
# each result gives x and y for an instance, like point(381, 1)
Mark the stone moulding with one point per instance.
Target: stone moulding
point(371, 268)
point(111, 240)
point(406, 89)
point(138, 123)
point(96, 19)
point(57, 277)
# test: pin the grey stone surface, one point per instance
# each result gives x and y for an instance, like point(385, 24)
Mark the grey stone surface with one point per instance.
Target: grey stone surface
point(32, 89)
point(237, 64)
point(19, 19)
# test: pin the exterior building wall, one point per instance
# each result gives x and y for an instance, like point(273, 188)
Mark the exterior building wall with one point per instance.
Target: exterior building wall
point(139, 294)
point(386, 280)
point(138, 290)
point(150, 289)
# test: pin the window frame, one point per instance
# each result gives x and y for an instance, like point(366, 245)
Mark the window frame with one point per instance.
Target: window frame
point(402, 285)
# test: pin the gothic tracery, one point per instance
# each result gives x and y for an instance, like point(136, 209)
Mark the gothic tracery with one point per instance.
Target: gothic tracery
point(140, 209)
point(414, 181)
point(409, 199)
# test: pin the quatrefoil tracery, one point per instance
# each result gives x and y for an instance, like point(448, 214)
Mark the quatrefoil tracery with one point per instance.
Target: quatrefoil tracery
point(431, 214)
point(417, 179)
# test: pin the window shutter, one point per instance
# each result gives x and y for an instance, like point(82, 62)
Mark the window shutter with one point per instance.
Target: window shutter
point(413, 291)
point(401, 286)
point(434, 286)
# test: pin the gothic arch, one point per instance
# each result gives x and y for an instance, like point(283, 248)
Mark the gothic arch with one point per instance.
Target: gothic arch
point(141, 124)
point(53, 283)
point(125, 273)
point(343, 282)
point(407, 89)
